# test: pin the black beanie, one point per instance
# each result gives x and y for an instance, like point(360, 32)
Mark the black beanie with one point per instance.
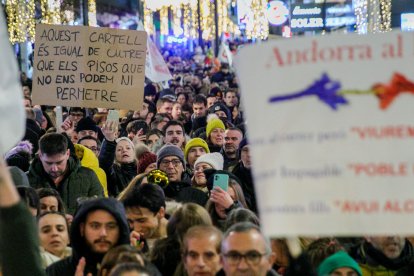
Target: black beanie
point(150, 90)
point(86, 124)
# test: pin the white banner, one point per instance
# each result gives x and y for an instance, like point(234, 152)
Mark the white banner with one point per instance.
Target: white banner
point(331, 127)
point(155, 67)
point(224, 54)
point(12, 121)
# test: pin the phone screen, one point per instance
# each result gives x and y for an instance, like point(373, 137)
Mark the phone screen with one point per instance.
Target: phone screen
point(222, 181)
point(113, 115)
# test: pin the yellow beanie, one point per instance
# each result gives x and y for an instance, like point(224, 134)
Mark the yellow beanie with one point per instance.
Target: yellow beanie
point(214, 123)
point(195, 142)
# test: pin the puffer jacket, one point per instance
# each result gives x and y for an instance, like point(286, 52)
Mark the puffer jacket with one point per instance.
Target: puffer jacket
point(89, 160)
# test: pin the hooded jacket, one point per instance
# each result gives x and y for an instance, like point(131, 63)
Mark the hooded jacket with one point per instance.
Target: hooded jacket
point(79, 182)
point(89, 160)
point(80, 249)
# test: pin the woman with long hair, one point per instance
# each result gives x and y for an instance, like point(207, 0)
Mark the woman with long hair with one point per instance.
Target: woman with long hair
point(221, 202)
point(54, 237)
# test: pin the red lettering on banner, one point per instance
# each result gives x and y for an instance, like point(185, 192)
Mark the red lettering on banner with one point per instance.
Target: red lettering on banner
point(391, 50)
point(316, 54)
point(394, 206)
point(379, 169)
point(349, 206)
point(384, 132)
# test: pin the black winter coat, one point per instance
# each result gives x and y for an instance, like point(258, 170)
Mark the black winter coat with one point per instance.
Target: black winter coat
point(118, 176)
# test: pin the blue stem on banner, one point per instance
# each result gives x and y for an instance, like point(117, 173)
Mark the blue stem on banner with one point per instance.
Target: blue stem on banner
point(325, 89)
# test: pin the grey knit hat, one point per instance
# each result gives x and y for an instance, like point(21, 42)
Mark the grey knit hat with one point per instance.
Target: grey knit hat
point(170, 150)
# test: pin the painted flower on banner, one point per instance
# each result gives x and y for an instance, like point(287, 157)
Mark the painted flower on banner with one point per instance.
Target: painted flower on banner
point(329, 91)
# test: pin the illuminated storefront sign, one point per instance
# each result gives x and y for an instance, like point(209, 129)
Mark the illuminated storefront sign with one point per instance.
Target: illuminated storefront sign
point(316, 17)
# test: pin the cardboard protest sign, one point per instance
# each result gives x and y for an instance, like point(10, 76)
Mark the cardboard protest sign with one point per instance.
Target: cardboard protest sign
point(330, 122)
point(89, 67)
point(13, 119)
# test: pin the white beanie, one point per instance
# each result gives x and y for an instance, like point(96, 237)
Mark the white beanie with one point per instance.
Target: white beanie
point(214, 159)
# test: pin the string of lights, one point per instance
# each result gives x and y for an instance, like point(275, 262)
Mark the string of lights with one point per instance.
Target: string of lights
point(385, 6)
point(92, 13)
point(258, 28)
point(372, 16)
point(164, 20)
point(21, 20)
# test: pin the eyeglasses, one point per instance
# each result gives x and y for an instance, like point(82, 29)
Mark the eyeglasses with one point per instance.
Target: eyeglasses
point(76, 114)
point(175, 162)
point(94, 149)
point(251, 257)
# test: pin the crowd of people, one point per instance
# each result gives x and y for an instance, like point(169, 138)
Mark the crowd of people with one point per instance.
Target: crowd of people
point(164, 190)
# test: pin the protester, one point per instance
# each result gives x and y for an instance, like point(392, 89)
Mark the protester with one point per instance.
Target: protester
point(18, 239)
point(150, 92)
point(222, 202)
point(201, 250)
point(207, 161)
point(320, 249)
point(246, 251)
point(241, 215)
point(136, 131)
point(176, 112)
point(165, 105)
point(383, 255)
point(55, 168)
point(147, 162)
point(125, 254)
point(174, 134)
point(91, 143)
point(20, 155)
point(99, 225)
point(170, 159)
point(243, 171)
point(50, 201)
point(160, 120)
point(145, 210)
point(54, 237)
point(194, 148)
point(166, 253)
point(232, 138)
point(89, 160)
point(339, 264)
point(29, 195)
point(117, 159)
point(199, 106)
point(146, 113)
point(87, 127)
point(152, 138)
point(215, 134)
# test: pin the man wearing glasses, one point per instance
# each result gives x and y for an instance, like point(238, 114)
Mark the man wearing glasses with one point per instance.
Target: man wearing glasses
point(170, 159)
point(245, 251)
